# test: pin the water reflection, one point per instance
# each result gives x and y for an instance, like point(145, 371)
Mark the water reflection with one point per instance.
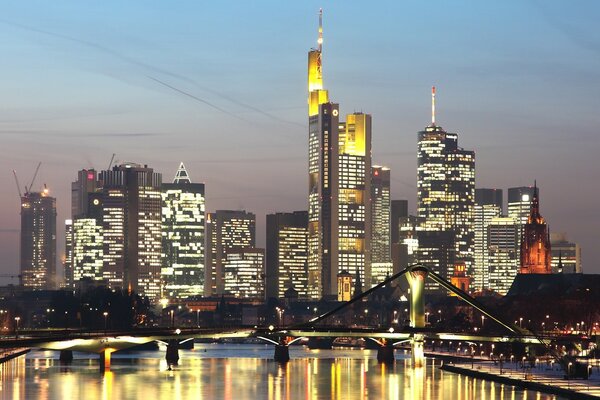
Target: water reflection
point(310, 375)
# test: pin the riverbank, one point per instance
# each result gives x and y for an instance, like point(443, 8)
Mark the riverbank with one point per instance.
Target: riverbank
point(547, 381)
point(9, 355)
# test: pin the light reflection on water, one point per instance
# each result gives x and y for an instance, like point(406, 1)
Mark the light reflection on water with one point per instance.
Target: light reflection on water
point(243, 372)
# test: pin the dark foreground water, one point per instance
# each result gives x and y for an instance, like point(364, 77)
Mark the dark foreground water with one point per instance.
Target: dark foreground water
point(231, 371)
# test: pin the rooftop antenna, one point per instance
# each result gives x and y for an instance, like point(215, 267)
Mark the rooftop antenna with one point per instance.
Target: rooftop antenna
point(320, 40)
point(433, 106)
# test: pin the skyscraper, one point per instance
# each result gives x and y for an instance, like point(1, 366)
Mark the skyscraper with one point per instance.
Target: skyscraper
point(381, 262)
point(488, 205)
point(445, 195)
point(85, 184)
point(398, 213)
point(339, 165)
point(68, 260)
point(183, 239)
point(132, 207)
point(502, 253)
point(520, 200)
point(244, 273)
point(38, 240)
point(535, 243)
point(226, 230)
point(287, 253)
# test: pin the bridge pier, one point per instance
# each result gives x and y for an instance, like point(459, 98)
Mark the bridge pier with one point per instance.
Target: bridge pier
point(416, 278)
point(385, 353)
point(417, 350)
point(282, 353)
point(105, 360)
point(66, 356)
point(172, 355)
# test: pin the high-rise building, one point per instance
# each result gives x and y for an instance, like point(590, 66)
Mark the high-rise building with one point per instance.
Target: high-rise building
point(502, 253)
point(68, 259)
point(85, 184)
point(535, 243)
point(88, 250)
point(38, 240)
point(381, 262)
point(287, 254)
point(339, 165)
point(566, 256)
point(445, 195)
point(520, 200)
point(398, 213)
point(131, 224)
point(183, 239)
point(488, 205)
point(226, 230)
point(244, 273)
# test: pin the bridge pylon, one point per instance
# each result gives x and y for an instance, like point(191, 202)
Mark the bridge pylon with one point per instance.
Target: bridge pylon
point(416, 279)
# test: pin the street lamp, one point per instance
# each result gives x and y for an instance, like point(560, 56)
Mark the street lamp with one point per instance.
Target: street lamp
point(172, 312)
point(482, 321)
point(520, 322)
point(105, 313)
point(198, 318)
point(427, 317)
point(17, 319)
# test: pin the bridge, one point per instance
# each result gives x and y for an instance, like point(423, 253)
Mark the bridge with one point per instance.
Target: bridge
point(105, 342)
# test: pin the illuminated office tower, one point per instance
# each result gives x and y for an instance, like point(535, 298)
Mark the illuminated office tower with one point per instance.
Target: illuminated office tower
point(226, 230)
point(244, 273)
point(381, 262)
point(488, 205)
point(183, 236)
point(354, 201)
point(287, 254)
point(520, 200)
point(445, 196)
point(88, 249)
point(68, 258)
point(131, 222)
point(566, 256)
point(38, 240)
point(339, 165)
point(503, 253)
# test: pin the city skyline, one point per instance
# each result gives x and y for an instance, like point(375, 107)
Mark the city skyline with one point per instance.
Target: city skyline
point(37, 130)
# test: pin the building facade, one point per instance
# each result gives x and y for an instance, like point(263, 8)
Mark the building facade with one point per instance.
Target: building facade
point(445, 195)
point(226, 230)
point(535, 243)
point(244, 273)
point(381, 261)
point(502, 253)
point(488, 205)
point(183, 239)
point(287, 254)
point(131, 222)
point(38, 240)
point(566, 255)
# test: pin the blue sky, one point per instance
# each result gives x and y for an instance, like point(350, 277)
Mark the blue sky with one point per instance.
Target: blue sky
point(222, 87)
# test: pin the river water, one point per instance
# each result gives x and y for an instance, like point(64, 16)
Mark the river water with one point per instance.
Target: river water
point(243, 371)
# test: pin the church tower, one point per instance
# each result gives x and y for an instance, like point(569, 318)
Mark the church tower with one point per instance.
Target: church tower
point(535, 245)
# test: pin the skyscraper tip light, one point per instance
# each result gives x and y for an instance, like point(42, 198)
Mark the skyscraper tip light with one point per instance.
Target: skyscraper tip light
point(433, 106)
point(320, 39)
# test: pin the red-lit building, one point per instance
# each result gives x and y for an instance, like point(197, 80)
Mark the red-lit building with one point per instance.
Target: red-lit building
point(535, 246)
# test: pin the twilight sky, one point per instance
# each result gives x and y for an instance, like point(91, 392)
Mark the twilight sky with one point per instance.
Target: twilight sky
point(222, 87)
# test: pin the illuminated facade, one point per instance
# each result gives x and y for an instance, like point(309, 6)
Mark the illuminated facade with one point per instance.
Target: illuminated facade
point(88, 249)
point(535, 243)
point(488, 205)
point(226, 230)
point(244, 273)
point(520, 200)
point(460, 279)
point(68, 258)
point(183, 238)
point(287, 254)
point(445, 195)
point(38, 240)
point(381, 262)
point(566, 256)
point(503, 253)
point(344, 285)
point(339, 165)
point(131, 222)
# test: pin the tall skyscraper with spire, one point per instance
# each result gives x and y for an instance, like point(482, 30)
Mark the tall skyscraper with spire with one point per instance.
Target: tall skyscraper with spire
point(339, 176)
point(535, 244)
point(183, 213)
point(445, 197)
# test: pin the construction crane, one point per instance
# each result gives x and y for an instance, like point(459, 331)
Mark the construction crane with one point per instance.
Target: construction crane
point(18, 185)
point(28, 189)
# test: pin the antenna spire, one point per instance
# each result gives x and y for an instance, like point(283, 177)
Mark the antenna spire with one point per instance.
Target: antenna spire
point(433, 105)
point(320, 40)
